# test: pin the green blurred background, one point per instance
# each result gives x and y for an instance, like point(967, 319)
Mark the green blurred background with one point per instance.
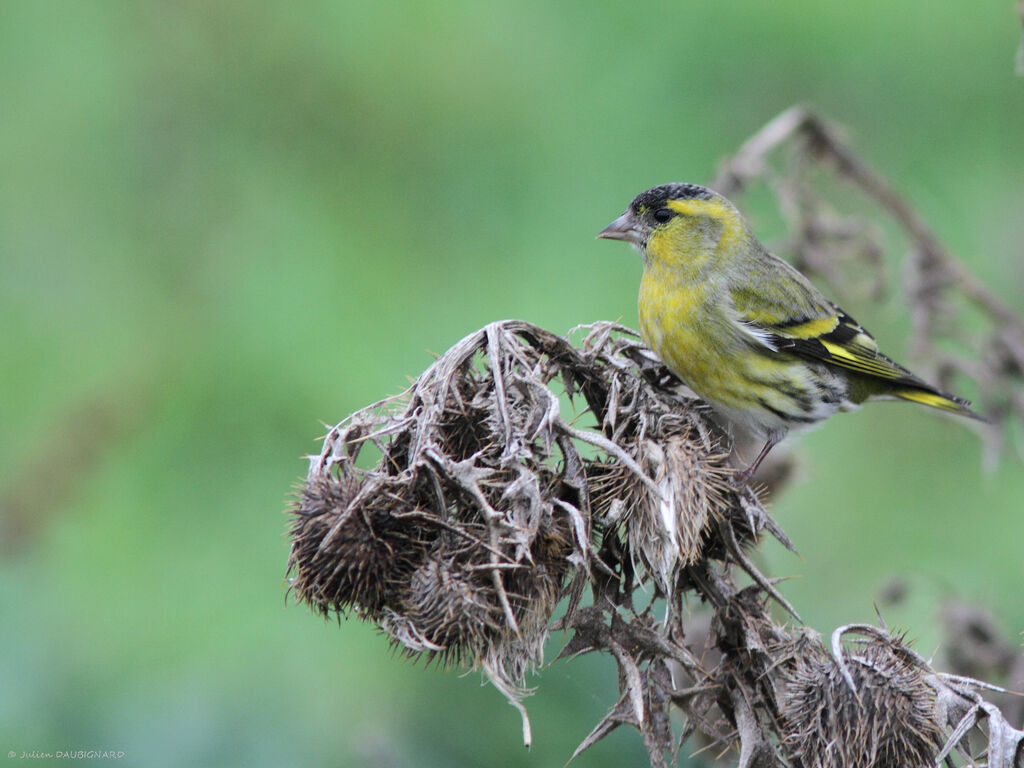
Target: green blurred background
point(222, 224)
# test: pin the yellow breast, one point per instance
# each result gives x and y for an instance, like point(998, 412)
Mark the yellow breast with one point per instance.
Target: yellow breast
point(682, 322)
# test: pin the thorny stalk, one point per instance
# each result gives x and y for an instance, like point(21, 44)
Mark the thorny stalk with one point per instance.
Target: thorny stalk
point(461, 514)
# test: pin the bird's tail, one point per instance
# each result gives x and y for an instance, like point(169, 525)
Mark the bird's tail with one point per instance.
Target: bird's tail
point(933, 398)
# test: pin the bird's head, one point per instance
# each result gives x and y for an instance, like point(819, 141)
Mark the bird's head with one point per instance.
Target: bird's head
point(677, 223)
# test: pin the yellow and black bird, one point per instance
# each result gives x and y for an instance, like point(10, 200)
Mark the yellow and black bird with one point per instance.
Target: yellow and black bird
point(745, 330)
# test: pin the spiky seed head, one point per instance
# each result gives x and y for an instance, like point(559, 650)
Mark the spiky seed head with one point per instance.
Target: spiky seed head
point(451, 611)
point(668, 530)
point(339, 555)
point(889, 719)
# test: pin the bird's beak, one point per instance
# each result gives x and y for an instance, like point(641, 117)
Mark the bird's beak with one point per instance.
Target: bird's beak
point(623, 228)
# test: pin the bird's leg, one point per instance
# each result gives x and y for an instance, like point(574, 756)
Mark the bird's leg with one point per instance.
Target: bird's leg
point(742, 478)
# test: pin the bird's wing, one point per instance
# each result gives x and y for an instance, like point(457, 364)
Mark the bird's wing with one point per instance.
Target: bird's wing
point(779, 308)
point(849, 346)
point(838, 339)
point(782, 310)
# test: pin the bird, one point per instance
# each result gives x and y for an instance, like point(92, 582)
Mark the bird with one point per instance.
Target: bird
point(745, 330)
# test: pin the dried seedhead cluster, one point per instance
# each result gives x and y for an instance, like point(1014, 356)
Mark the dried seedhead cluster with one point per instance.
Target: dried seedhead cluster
point(487, 508)
point(461, 515)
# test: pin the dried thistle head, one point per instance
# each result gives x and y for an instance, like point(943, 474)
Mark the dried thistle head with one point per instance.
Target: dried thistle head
point(453, 609)
point(448, 608)
point(886, 718)
point(348, 550)
point(667, 525)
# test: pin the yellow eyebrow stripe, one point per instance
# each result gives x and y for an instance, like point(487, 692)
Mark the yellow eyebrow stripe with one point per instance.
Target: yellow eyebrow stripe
point(699, 208)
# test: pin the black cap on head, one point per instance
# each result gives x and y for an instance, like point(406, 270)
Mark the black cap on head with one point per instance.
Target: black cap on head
point(657, 195)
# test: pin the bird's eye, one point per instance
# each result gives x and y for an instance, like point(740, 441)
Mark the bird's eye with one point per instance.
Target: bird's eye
point(662, 215)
